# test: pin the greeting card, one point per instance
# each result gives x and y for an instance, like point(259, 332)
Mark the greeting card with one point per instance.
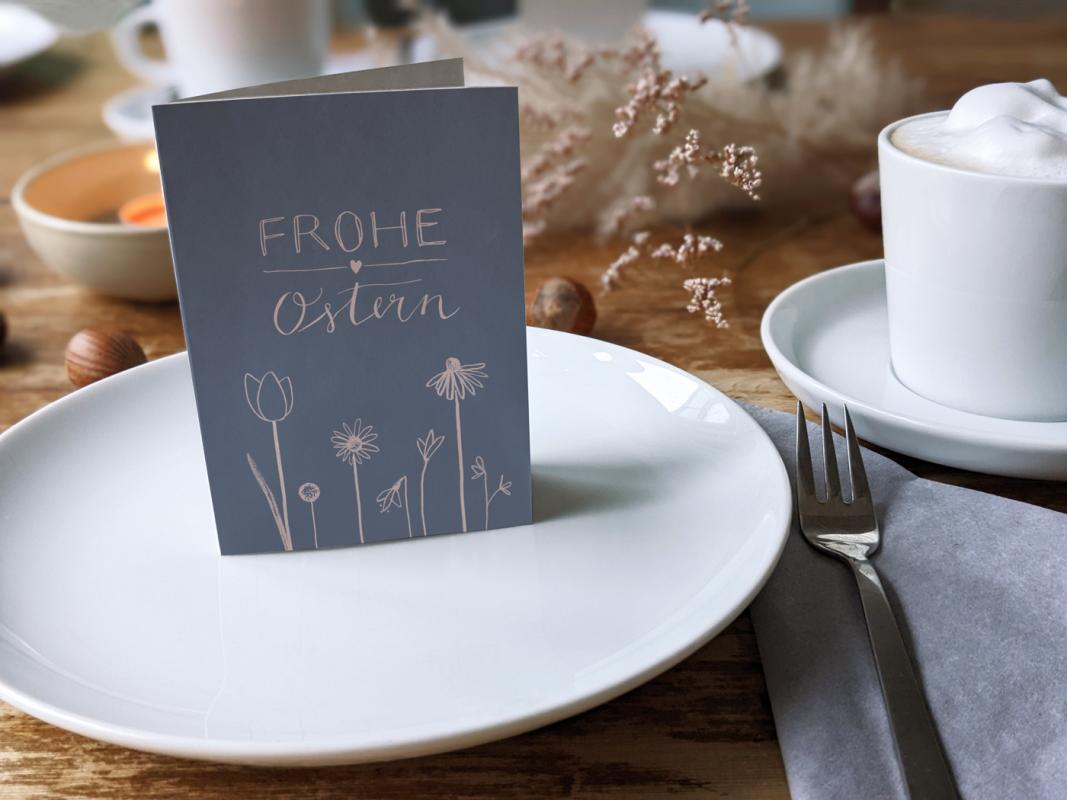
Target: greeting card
point(349, 260)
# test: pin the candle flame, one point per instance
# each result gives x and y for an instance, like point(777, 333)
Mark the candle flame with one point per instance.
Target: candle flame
point(151, 162)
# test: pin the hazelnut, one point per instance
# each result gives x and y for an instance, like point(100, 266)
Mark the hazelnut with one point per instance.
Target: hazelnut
point(96, 353)
point(866, 201)
point(563, 304)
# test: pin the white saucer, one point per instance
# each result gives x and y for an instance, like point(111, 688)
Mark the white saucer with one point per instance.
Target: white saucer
point(129, 113)
point(827, 337)
point(688, 46)
point(660, 507)
point(23, 35)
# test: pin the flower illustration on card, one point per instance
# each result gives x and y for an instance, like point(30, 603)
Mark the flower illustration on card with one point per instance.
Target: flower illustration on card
point(270, 399)
point(455, 383)
point(428, 445)
point(480, 472)
point(309, 493)
point(396, 496)
point(355, 444)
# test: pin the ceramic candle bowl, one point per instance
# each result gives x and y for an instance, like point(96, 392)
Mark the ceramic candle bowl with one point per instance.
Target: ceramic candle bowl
point(976, 283)
point(67, 208)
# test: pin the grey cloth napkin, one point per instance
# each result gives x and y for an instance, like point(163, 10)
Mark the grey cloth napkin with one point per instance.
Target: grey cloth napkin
point(979, 585)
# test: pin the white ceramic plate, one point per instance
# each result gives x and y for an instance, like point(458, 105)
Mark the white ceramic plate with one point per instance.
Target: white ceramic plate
point(23, 35)
point(688, 46)
point(660, 508)
point(829, 341)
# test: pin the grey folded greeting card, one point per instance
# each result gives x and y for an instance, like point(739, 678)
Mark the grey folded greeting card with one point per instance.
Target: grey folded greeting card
point(349, 265)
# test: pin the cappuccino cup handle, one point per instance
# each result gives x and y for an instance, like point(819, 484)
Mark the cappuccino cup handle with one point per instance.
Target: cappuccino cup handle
point(126, 39)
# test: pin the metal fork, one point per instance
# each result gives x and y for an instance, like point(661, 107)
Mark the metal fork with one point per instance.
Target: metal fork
point(849, 531)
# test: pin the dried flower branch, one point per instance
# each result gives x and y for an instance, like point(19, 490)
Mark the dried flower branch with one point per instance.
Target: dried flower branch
point(548, 175)
point(737, 165)
point(735, 11)
point(613, 274)
point(703, 298)
point(622, 215)
point(691, 248)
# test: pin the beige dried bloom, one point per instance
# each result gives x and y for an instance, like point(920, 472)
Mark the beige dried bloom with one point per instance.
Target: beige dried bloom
point(703, 299)
point(737, 165)
point(622, 215)
point(691, 248)
point(656, 90)
point(613, 274)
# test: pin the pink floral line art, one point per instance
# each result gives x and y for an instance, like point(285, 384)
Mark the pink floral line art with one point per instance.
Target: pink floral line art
point(272, 504)
point(270, 399)
point(354, 445)
point(479, 472)
point(391, 498)
point(309, 493)
point(428, 445)
point(454, 383)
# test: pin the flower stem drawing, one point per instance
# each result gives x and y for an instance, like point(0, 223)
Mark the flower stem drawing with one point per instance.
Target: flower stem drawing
point(427, 445)
point(354, 445)
point(454, 383)
point(287, 542)
point(309, 493)
point(270, 399)
point(479, 472)
point(391, 497)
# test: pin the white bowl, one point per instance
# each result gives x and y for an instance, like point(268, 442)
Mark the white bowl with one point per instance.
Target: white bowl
point(64, 204)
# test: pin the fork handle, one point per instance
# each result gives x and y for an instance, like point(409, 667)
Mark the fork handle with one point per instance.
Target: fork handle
point(922, 761)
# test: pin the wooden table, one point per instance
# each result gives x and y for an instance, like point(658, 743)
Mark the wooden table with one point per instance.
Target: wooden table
point(702, 729)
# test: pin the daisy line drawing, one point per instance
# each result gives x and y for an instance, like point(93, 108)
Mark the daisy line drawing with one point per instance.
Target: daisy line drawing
point(392, 497)
point(455, 383)
point(479, 472)
point(309, 493)
point(270, 399)
point(428, 445)
point(354, 445)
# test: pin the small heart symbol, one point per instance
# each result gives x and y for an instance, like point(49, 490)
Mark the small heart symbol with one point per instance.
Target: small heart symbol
point(355, 265)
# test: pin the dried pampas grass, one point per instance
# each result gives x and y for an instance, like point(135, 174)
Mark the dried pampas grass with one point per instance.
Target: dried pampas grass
point(593, 122)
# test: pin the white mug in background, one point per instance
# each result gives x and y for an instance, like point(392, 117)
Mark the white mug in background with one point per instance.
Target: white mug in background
point(214, 45)
point(976, 284)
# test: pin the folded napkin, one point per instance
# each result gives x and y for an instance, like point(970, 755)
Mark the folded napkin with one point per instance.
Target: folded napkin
point(979, 585)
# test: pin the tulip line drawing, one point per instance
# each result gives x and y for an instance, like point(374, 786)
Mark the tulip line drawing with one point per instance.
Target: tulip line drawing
point(454, 383)
point(479, 472)
point(391, 497)
point(287, 542)
point(309, 493)
point(354, 445)
point(270, 399)
point(428, 445)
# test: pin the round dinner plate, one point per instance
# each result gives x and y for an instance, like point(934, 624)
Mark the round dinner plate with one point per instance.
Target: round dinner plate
point(828, 337)
point(660, 509)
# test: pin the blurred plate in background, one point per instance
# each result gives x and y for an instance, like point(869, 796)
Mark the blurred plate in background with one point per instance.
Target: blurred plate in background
point(23, 35)
point(687, 45)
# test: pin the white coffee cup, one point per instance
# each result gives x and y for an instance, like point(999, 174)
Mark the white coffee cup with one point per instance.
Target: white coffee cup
point(214, 45)
point(976, 282)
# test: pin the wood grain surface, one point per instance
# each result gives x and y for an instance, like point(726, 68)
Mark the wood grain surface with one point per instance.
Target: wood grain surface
point(704, 728)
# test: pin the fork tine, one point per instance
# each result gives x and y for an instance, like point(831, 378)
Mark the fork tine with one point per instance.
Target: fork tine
point(805, 478)
point(829, 458)
point(856, 472)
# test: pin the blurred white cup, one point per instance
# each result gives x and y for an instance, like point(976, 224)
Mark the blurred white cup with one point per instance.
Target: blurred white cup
point(214, 45)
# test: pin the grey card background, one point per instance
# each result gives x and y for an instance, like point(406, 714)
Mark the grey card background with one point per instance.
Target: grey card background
point(226, 165)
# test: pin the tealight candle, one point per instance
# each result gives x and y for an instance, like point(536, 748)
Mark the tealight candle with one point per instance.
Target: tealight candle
point(146, 211)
